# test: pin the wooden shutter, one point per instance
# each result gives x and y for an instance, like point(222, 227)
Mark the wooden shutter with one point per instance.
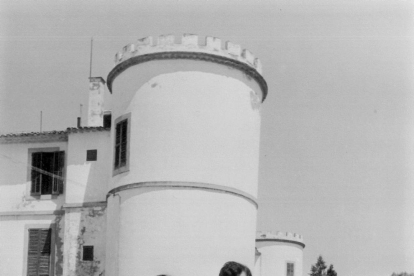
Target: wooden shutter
point(58, 167)
point(38, 261)
point(117, 145)
point(36, 176)
point(121, 141)
point(124, 126)
point(32, 260)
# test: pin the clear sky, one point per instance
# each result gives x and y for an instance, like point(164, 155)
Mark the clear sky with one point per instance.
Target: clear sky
point(337, 147)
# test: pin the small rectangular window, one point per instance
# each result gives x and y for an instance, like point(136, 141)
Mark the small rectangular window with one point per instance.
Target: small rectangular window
point(91, 155)
point(87, 253)
point(107, 120)
point(290, 269)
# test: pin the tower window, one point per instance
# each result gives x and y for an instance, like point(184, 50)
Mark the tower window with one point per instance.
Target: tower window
point(121, 152)
point(121, 144)
point(47, 173)
point(290, 269)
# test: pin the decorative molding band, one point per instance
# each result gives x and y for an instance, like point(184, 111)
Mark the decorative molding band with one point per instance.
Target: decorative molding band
point(84, 204)
point(281, 240)
point(121, 67)
point(185, 185)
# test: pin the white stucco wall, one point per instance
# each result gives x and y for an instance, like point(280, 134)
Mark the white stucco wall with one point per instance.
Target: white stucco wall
point(15, 180)
point(195, 127)
point(191, 122)
point(87, 181)
point(84, 226)
point(275, 256)
point(112, 232)
point(183, 232)
point(257, 265)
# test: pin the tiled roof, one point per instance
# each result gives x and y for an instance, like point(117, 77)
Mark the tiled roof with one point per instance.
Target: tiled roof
point(86, 129)
point(53, 134)
point(31, 134)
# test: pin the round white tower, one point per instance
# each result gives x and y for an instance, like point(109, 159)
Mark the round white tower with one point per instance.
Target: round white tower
point(185, 132)
point(279, 254)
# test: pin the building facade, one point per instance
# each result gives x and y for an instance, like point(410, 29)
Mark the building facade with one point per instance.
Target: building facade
point(162, 180)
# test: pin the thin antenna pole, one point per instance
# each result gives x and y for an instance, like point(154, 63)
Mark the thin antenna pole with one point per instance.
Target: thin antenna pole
point(80, 111)
point(41, 115)
point(90, 65)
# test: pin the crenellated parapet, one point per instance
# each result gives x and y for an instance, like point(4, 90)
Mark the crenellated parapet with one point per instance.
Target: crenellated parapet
point(188, 47)
point(188, 43)
point(280, 237)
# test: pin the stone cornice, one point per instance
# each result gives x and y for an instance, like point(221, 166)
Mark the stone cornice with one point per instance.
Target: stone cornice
point(186, 185)
point(281, 240)
point(251, 72)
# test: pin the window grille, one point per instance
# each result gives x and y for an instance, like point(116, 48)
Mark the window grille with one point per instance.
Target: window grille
point(47, 173)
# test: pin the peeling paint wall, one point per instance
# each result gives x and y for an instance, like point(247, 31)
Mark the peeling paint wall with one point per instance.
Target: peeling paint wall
point(84, 226)
point(59, 239)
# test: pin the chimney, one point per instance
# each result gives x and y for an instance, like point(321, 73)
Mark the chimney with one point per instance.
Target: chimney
point(96, 101)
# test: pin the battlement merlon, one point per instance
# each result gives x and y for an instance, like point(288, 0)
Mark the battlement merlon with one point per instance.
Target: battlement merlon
point(189, 47)
point(280, 236)
point(188, 43)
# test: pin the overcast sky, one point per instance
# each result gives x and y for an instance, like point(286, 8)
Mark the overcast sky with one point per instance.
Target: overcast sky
point(337, 142)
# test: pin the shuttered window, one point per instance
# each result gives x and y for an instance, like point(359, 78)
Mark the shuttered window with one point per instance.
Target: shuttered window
point(38, 261)
point(47, 172)
point(121, 137)
point(290, 269)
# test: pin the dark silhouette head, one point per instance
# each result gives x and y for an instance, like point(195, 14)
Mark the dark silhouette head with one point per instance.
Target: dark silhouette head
point(234, 269)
